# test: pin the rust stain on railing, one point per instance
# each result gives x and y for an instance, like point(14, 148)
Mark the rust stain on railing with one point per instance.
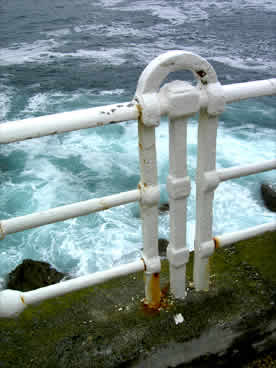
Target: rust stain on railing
point(140, 113)
point(216, 243)
point(162, 298)
point(154, 293)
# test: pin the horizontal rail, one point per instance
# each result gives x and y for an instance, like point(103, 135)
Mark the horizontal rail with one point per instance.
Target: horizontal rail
point(238, 171)
point(241, 91)
point(230, 238)
point(215, 177)
point(20, 130)
point(66, 212)
point(38, 295)
point(13, 302)
point(222, 241)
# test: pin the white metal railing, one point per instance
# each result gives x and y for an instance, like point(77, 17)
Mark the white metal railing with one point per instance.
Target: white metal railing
point(179, 100)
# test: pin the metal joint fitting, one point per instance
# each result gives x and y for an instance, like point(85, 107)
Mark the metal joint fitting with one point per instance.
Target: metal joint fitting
point(152, 265)
point(178, 187)
point(211, 181)
point(183, 99)
point(216, 99)
point(206, 249)
point(150, 194)
point(149, 109)
point(2, 232)
point(11, 303)
point(178, 257)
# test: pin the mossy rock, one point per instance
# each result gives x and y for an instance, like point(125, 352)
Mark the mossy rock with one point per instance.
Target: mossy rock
point(268, 192)
point(31, 274)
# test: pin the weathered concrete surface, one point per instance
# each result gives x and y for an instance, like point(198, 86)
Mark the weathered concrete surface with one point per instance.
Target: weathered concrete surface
point(107, 326)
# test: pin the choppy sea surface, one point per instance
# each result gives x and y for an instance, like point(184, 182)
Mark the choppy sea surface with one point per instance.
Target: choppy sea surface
point(60, 56)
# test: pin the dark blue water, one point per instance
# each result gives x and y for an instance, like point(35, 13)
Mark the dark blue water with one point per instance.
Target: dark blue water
point(60, 56)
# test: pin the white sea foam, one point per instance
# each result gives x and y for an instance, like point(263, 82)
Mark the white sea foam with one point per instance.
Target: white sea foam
point(172, 14)
point(244, 210)
point(88, 27)
point(247, 63)
point(109, 56)
point(144, 53)
point(116, 91)
point(37, 103)
point(241, 146)
point(227, 6)
point(2, 283)
point(58, 33)
point(39, 50)
point(4, 105)
point(110, 3)
point(99, 241)
point(43, 51)
point(60, 101)
point(268, 5)
point(178, 14)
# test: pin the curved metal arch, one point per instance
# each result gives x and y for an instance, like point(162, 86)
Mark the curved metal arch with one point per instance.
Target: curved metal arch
point(159, 68)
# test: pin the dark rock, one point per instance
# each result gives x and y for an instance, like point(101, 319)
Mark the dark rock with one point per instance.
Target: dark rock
point(269, 196)
point(32, 274)
point(164, 207)
point(162, 246)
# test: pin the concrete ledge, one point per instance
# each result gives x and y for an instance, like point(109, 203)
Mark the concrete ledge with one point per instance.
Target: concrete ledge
point(107, 326)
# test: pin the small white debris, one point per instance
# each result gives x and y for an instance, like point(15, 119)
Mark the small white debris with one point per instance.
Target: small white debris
point(120, 309)
point(178, 318)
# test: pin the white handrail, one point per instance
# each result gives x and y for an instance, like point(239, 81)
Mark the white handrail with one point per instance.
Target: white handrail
point(20, 130)
point(214, 178)
point(66, 212)
point(179, 100)
point(222, 241)
point(13, 302)
point(242, 91)
point(239, 171)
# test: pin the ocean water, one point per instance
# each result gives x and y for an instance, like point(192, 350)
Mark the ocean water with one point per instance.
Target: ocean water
point(60, 56)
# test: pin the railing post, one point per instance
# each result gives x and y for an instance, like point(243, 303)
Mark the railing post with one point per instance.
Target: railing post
point(178, 104)
point(206, 161)
point(149, 213)
point(178, 183)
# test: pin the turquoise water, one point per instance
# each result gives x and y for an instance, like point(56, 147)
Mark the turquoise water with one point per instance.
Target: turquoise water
point(59, 56)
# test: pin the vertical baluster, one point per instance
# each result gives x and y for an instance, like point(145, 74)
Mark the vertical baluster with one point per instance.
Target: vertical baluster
point(149, 212)
point(179, 188)
point(206, 161)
